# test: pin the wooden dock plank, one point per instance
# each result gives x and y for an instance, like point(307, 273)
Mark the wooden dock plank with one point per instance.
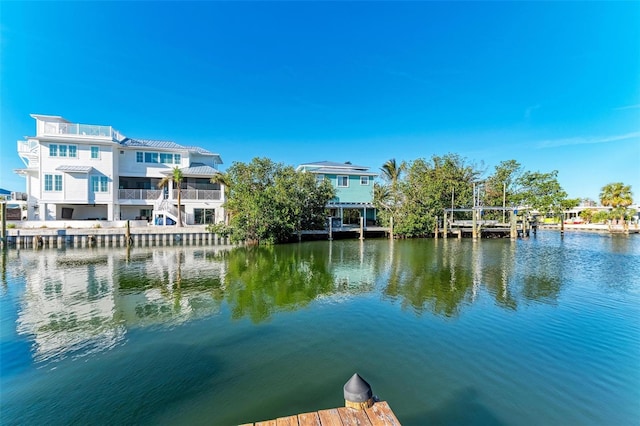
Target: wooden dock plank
point(380, 414)
point(330, 417)
point(266, 423)
point(287, 421)
point(309, 419)
point(351, 416)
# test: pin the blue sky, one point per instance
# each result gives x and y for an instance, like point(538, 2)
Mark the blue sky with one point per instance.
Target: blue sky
point(553, 85)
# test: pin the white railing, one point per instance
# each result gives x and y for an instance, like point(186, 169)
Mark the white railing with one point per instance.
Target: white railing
point(166, 207)
point(139, 194)
point(27, 147)
point(198, 194)
point(83, 130)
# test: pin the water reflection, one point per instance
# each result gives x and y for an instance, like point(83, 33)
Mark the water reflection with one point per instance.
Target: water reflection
point(80, 301)
point(445, 276)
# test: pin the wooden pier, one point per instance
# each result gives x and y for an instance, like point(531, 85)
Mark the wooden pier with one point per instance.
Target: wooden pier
point(361, 409)
point(380, 414)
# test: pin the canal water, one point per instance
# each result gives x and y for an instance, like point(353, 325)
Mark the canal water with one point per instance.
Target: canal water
point(538, 331)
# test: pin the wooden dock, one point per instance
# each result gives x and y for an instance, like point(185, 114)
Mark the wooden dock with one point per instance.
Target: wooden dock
point(379, 414)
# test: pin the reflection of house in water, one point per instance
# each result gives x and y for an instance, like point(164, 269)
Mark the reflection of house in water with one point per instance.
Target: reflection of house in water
point(351, 267)
point(69, 303)
point(86, 301)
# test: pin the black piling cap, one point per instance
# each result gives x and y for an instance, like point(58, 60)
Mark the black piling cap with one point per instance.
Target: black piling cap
point(357, 389)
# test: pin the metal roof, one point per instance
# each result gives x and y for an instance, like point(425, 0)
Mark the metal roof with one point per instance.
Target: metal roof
point(333, 164)
point(150, 143)
point(196, 169)
point(74, 169)
point(158, 144)
point(337, 171)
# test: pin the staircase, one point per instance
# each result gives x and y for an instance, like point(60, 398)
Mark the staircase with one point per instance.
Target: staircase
point(166, 208)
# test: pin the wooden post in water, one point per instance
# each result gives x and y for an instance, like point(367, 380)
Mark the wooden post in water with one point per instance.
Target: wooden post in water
point(4, 225)
point(444, 225)
point(362, 228)
point(357, 393)
point(128, 234)
point(330, 228)
point(514, 229)
point(474, 224)
point(437, 230)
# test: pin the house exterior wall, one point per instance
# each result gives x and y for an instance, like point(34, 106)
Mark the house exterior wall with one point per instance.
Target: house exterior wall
point(355, 192)
point(89, 181)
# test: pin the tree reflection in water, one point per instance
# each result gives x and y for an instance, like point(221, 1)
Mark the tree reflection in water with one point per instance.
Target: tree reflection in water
point(442, 276)
point(77, 300)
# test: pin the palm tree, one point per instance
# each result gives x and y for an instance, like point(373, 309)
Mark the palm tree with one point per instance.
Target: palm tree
point(176, 177)
point(616, 195)
point(224, 180)
point(391, 172)
point(389, 195)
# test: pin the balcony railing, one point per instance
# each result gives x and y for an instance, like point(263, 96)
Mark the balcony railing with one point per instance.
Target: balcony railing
point(198, 194)
point(154, 194)
point(139, 194)
point(82, 130)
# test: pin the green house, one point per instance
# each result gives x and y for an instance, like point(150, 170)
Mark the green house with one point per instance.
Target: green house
point(354, 190)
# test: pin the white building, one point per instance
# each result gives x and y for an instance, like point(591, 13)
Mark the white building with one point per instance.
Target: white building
point(84, 172)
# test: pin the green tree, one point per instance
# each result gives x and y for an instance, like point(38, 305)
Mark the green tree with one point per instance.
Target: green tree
point(500, 187)
point(268, 202)
point(542, 192)
point(176, 177)
point(618, 196)
point(428, 189)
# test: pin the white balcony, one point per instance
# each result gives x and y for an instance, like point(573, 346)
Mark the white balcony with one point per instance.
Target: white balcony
point(62, 129)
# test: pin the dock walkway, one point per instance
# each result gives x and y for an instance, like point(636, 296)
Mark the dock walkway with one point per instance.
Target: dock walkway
point(379, 414)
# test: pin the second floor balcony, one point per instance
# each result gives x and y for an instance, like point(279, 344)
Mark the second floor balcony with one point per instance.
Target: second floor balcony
point(154, 194)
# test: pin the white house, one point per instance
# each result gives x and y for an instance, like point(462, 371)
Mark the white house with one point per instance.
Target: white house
point(83, 172)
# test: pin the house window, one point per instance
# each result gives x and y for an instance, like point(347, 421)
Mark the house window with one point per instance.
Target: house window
point(343, 181)
point(95, 152)
point(176, 158)
point(52, 182)
point(99, 184)
point(62, 150)
point(204, 216)
point(319, 178)
point(139, 157)
point(150, 157)
point(166, 158)
point(73, 151)
point(53, 150)
point(364, 180)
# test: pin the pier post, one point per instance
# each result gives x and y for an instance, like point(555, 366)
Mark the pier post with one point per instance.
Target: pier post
point(474, 224)
point(444, 225)
point(514, 230)
point(127, 235)
point(4, 225)
point(362, 228)
point(436, 233)
point(357, 393)
point(330, 228)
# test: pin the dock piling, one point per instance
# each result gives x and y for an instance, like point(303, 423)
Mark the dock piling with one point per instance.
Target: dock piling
point(357, 393)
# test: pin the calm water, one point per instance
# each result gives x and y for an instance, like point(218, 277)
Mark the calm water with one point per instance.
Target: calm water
point(539, 331)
